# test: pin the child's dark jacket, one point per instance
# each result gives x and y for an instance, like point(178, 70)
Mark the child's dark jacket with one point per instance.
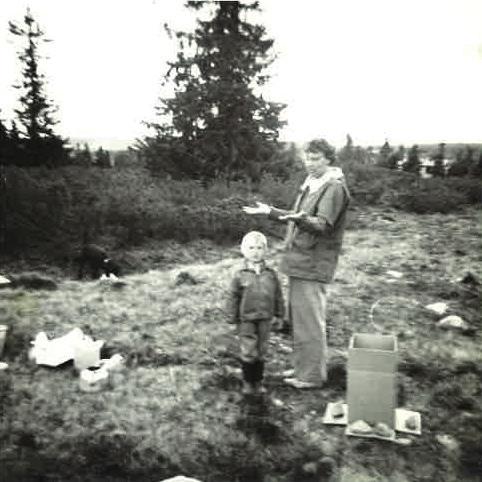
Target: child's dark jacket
point(255, 296)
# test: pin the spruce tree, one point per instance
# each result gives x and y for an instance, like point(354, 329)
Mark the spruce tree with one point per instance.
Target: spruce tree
point(438, 169)
point(476, 168)
point(5, 150)
point(16, 144)
point(346, 152)
point(384, 154)
point(86, 155)
point(412, 163)
point(102, 158)
point(360, 155)
point(370, 155)
point(3, 208)
point(463, 162)
point(11, 147)
point(4, 143)
point(217, 124)
point(395, 158)
point(35, 114)
point(392, 161)
point(81, 155)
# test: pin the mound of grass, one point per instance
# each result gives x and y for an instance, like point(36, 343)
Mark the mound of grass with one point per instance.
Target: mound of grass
point(32, 281)
point(471, 445)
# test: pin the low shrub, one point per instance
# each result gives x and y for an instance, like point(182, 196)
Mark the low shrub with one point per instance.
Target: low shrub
point(370, 184)
point(127, 207)
point(431, 201)
point(469, 187)
point(33, 281)
point(471, 445)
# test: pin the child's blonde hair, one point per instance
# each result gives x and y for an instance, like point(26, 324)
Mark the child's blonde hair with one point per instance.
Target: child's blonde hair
point(253, 236)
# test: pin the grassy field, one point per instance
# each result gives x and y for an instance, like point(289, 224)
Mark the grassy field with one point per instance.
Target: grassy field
point(176, 407)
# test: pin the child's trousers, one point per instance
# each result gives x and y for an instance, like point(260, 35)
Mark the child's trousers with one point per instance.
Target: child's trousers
point(254, 340)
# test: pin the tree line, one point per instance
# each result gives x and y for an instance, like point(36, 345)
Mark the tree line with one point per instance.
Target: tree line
point(31, 139)
point(463, 160)
point(215, 125)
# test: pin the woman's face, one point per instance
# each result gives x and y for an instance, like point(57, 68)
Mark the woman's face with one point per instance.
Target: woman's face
point(315, 163)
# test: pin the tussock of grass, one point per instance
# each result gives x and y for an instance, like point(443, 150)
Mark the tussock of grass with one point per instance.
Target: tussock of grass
point(32, 281)
point(471, 444)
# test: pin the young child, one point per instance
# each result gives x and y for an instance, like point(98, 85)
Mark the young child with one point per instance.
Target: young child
point(255, 302)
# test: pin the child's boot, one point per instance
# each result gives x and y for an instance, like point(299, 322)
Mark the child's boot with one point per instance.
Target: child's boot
point(248, 388)
point(258, 376)
point(248, 378)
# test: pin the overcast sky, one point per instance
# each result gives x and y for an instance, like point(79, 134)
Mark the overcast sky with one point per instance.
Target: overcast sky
point(406, 70)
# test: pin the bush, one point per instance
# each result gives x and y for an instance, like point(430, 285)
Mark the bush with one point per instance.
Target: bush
point(373, 184)
point(426, 202)
point(280, 194)
point(127, 207)
point(430, 196)
point(471, 445)
point(469, 187)
point(406, 191)
point(53, 211)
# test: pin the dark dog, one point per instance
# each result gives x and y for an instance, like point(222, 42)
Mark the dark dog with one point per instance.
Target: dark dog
point(96, 260)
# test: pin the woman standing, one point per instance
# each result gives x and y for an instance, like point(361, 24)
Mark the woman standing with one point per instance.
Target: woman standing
point(313, 241)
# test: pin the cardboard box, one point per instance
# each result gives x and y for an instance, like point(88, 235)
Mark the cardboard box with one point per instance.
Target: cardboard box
point(372, 378)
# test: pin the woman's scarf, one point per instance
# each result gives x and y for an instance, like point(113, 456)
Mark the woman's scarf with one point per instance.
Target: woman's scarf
point(311, 184)
point(315, 183)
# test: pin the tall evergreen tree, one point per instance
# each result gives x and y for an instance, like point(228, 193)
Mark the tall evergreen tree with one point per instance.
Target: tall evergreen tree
point(10, 143)
point(3, 207)
point(4, 150)
point(35, 115)
point(16, 145)
point(81, 155)
point(370, 155)
point(217, 124)
point(359, 155)
point(4, 143)
point(86, 155)
point(476, 168)
point(412, 163)
point(102, 158)
point(454, 167)
point(384, 154)
point(464, 160)
point(396, 158)
point(346, 152)
point(438, 169)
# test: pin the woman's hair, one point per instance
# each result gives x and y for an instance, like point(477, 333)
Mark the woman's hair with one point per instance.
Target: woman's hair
point(323, 147)
point(253, 236)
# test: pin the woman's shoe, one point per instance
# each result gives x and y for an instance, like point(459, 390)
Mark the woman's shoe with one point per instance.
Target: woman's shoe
point(300, 384)
point(286, 329)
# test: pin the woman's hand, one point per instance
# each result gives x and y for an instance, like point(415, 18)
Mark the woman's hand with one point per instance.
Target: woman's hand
point(261, 208)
